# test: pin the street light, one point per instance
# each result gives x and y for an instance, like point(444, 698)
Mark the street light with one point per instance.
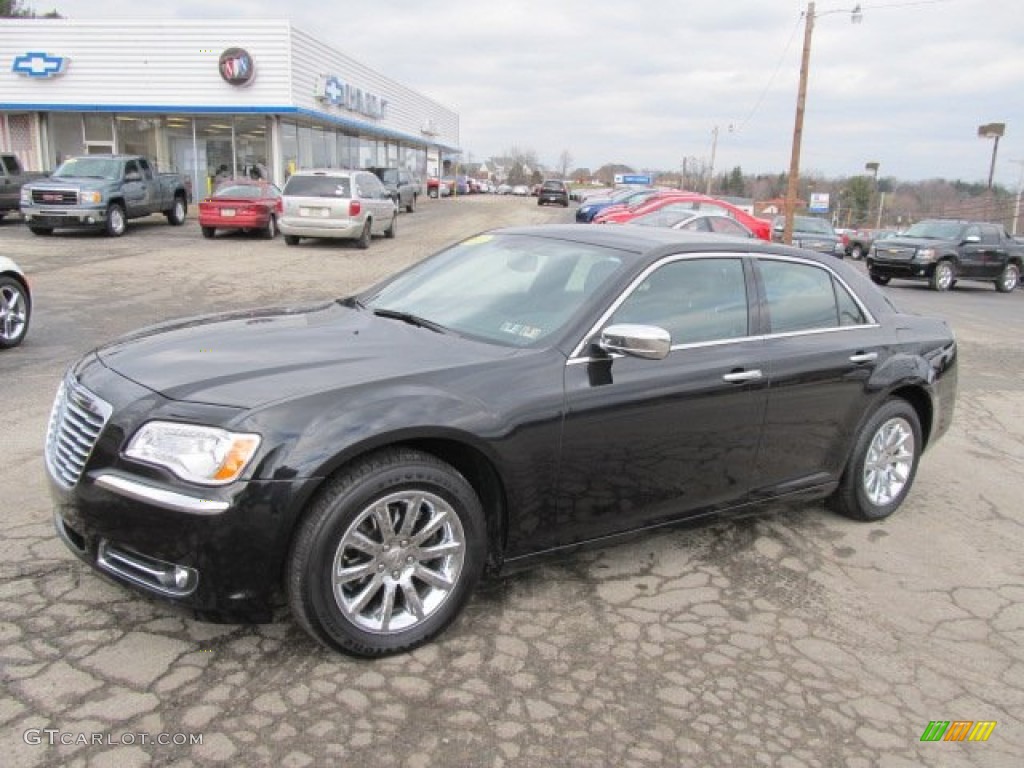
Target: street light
point(798, 128)
point(873, 166)
point(992, 131)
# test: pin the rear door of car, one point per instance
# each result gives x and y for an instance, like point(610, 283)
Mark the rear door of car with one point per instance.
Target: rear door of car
point(822, 346)
point(646, 441)
point(375, 198)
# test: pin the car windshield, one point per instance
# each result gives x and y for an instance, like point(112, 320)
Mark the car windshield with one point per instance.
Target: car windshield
point(89, 167)
point(318, 186)
point(239, 190)
point(811, 224)
point(513, 290)
point(935, 230)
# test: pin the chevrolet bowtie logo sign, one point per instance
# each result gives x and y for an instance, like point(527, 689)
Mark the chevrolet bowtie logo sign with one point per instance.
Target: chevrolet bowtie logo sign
point(39, 64)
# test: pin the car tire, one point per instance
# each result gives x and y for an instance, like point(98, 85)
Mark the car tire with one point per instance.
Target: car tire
point(387, 554)
point(412, 205)
point(363, 242)
point(881, 469)
point(208, 232)
point(392, 230)
point(878, 279)
point(41, 231)
point(1008, 279)
point(943, 276)
point(856, 252)
point(270, 231)
point(291, 239)
point(116, 222)
point(15, 312)
point(176, 216)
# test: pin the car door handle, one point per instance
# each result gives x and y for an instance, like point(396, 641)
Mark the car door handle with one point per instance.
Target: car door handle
point(738, 377)
point(864, 357)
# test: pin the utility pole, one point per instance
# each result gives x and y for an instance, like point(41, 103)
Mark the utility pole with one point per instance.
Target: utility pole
point(714, 147)
point(798, 127)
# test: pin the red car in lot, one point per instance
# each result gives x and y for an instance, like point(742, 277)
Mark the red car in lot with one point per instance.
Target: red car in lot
point(241, 204)
point(670, 202)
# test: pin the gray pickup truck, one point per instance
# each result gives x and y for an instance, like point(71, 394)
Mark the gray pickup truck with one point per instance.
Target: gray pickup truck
point(943, 251)
point(12, 177)
point(102, 192)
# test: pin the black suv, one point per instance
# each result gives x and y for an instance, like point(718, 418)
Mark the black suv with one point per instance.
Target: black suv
point(553, 191)
point(402, 184)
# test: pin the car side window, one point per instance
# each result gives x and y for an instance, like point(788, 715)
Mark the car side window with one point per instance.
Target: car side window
point(805, 297)
point(726, 226)
point(989, 234)
point(695, 300)
point(146, 170)
point(131, 167)
point(972, 231)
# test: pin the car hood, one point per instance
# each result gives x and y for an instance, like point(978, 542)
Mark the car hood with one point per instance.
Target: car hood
point(910, 242)
point(248, 359)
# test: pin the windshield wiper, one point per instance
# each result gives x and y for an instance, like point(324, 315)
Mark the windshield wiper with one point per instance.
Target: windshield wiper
point(408, 317)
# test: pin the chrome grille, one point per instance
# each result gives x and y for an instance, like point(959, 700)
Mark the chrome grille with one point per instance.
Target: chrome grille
point(895, 253)
point(55, 197)
point(77, 419)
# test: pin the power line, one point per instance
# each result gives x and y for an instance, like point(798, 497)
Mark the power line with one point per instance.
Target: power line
point(771, 80)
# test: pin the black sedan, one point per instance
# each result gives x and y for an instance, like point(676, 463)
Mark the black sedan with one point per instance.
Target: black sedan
point(523, 392)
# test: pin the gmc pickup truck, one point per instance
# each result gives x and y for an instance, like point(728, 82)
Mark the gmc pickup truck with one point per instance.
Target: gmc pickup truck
point(102, 192)
point(942, 252)
point(12, 177)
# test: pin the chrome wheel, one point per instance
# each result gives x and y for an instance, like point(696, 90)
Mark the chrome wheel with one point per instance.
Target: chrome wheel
point(116, 222)
point(1008, 280)
point(942, 279)
point(398, 562)
point(13, 313)
point(889, 461)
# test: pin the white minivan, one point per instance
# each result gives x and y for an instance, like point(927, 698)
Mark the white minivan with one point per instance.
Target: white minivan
point(334, 203)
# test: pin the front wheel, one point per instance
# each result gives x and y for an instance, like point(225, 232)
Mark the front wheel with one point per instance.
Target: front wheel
point(291, 239)
point(882, 466)
point(1008, 279)
point(387, 555)
point(116, 222)
point(176, 216)
point(41, 231)
point(878, 279)
point(943, 276)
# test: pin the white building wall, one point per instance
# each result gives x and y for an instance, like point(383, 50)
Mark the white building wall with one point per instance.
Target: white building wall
point(145, 64)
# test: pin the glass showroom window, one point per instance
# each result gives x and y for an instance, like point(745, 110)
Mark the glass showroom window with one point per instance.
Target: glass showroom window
point(251, 149)
point(289, 148)
point(137, 135)
point(67, 137)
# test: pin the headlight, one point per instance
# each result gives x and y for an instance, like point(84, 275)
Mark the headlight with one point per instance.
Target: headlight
point(204, 455)
point(95, 196)
point(26, 196)
point(926, 254)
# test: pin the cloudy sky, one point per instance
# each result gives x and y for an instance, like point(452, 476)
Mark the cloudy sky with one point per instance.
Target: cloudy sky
point(645, 82)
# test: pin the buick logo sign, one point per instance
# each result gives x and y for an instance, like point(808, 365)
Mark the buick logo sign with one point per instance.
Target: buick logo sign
point(236, 66)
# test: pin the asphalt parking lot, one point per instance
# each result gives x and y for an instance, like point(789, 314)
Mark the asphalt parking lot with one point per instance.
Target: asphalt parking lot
point(793, 638)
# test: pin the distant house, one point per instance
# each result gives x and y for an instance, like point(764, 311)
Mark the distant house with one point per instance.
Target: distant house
point(775, 207)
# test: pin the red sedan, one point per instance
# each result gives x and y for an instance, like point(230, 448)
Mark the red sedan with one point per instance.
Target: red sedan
point(241, 205)
point(672, 202)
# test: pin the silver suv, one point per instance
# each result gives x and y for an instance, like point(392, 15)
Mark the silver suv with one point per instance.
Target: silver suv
point(332, 203)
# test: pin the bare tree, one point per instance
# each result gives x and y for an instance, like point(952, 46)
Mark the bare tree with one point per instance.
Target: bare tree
point(564, 162)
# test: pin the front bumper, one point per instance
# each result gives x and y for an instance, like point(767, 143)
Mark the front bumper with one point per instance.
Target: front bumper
point(64, 218)
point(908, 270)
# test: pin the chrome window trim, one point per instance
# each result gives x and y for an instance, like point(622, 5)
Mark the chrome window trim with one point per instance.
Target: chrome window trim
point(603, 319)
point(576, 358)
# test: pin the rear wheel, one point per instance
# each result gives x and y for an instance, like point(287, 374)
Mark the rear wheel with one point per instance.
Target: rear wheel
point(412, 205)
point(41, 231)
point(176, 216)
point(387, 555)
point(270, 231)
point(1008, 279)
point(856, 251)
point(116, 222)
point(882, 466)
point(391, 231)
point(943, 276)
point(15, 310)
point(208, 232)
point(291, 239)
point(879, 279)
point(364, 237)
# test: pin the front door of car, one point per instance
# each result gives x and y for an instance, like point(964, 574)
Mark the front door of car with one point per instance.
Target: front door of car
point(973, 253)
point(646, 441)
point(823, 347)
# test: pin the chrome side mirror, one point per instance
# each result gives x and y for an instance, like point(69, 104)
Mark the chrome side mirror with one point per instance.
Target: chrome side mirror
point(645, 341)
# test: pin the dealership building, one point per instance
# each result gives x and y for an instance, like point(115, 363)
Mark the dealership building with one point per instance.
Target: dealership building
point(208, 97)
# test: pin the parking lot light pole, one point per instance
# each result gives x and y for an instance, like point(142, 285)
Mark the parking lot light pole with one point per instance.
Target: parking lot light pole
point(992, 131)
point(801, 97)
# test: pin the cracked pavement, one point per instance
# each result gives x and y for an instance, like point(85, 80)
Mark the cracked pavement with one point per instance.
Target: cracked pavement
point(793, 637)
